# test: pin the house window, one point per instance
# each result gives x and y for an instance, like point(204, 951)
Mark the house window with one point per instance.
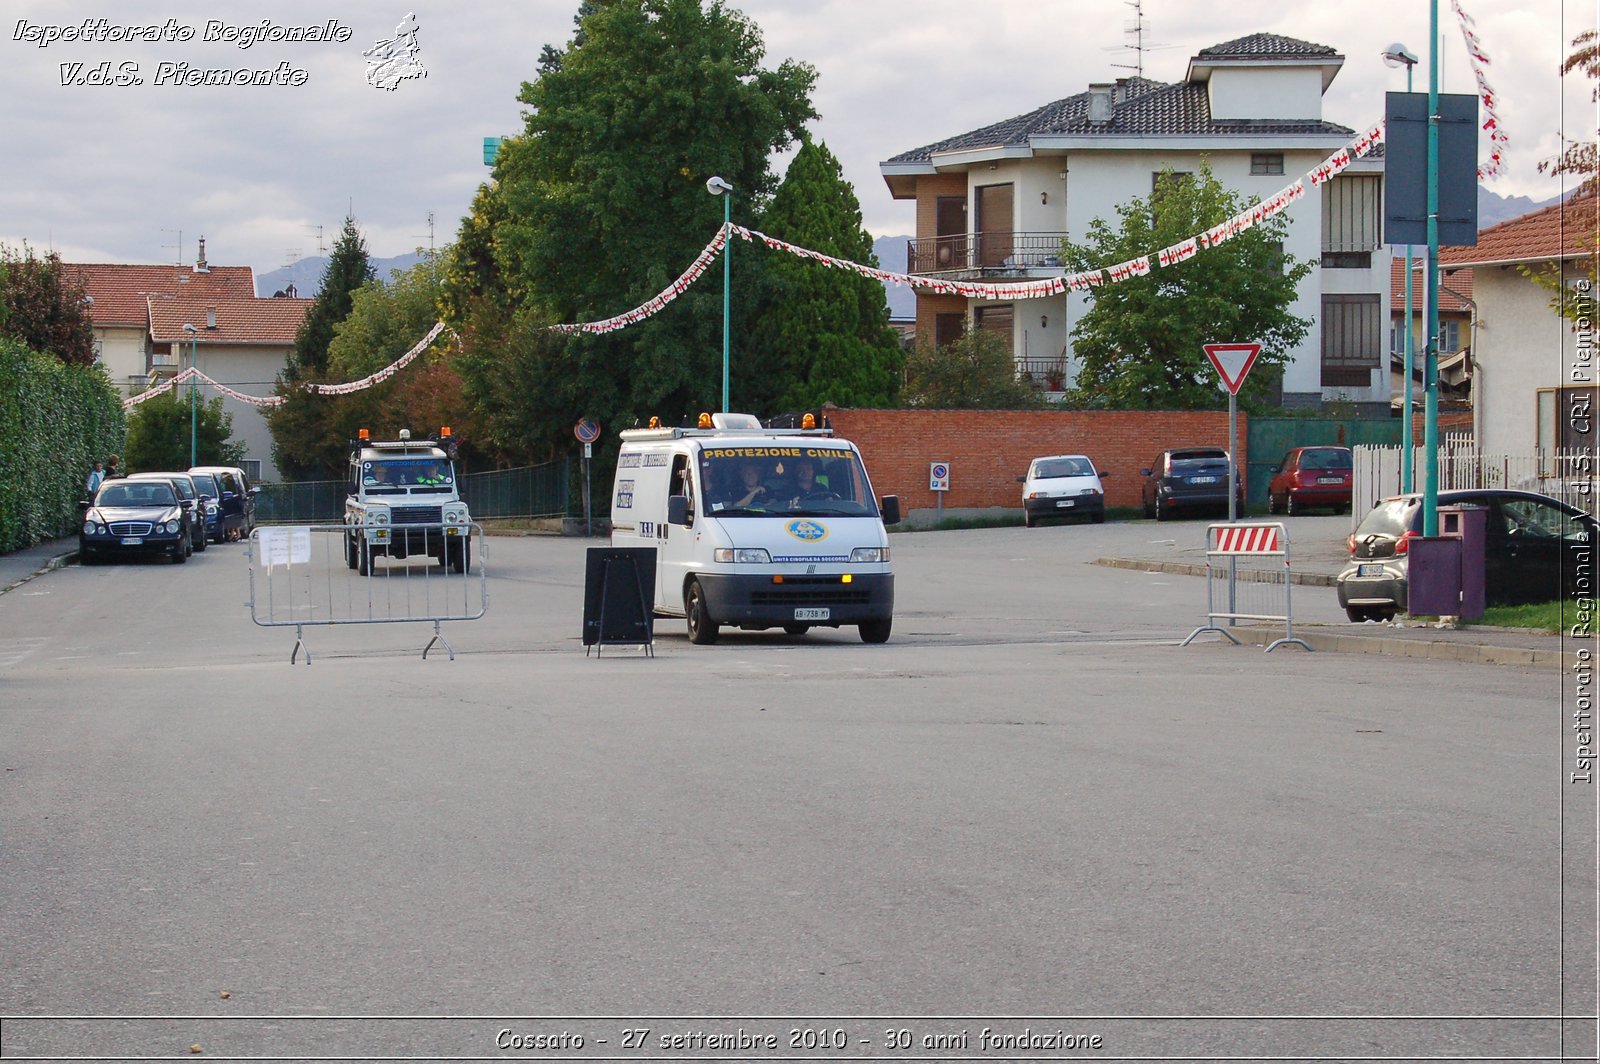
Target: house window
point(1568, 420)
point(947, 328)
point(996, 240)
point(998, 319)
point(950, 234)
point(1352, 338)
point(1449, 336)
point(252, 469)
point(1263, 162)
point(1172, 175)
point(1352, 221)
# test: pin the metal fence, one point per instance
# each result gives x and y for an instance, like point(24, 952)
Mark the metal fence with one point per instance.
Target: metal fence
point(528, 491)
point(309, 575)
point(1249, 595)
point(1565, 475)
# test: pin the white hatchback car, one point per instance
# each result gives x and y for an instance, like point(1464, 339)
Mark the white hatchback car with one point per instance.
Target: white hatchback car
point(1063, 485)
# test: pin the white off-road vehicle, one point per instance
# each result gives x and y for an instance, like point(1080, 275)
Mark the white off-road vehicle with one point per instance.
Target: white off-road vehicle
point(402, 500)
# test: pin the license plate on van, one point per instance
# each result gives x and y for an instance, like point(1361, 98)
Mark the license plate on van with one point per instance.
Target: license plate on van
point(811, 613)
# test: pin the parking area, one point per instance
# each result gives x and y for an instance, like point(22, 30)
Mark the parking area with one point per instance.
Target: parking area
point(1030, 803)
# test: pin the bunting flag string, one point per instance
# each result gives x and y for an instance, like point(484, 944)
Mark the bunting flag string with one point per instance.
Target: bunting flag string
point(1081, 281)
point(1486, 95)
point(381, 375)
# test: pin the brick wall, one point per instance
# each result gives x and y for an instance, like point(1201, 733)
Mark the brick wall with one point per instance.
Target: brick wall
point(988, 449)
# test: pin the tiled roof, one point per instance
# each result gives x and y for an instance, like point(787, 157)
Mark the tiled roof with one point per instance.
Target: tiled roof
point(120, 291)
point(1455, 286)
point(1268, 46)
point(239, 321)
point(1143, 108)
point(1560, 231)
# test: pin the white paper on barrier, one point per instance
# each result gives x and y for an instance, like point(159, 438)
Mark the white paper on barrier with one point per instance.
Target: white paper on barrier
point(285, 546)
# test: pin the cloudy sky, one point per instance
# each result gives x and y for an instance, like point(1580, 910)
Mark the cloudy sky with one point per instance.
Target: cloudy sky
point(137, 172)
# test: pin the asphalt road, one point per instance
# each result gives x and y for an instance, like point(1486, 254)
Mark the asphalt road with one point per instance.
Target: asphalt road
point(1030, 811)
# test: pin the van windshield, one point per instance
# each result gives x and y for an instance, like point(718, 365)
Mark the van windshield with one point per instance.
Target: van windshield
point(802, 480)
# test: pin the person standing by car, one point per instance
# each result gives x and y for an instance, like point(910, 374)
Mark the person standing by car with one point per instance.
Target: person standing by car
point(112, 470)
point(96, 476)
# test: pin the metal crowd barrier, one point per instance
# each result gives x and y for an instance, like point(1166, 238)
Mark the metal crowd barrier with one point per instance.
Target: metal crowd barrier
point(1253, 595)
point(305, 575)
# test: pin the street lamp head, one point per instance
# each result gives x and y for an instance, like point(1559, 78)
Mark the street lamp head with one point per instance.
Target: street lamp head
point(188, 328)
point(716, 186)
point(1398, 55)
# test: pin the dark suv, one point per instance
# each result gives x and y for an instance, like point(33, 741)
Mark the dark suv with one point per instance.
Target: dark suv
point(1187, 480)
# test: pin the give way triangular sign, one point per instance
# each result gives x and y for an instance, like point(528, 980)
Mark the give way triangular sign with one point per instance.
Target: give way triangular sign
point(1233, 362)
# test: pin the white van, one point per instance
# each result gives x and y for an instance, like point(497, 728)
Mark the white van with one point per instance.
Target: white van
point(756, 527)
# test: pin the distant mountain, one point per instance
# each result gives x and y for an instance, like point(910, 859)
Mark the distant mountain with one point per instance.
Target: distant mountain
point(891, 253)
point(306, 275)
point(1494, 209)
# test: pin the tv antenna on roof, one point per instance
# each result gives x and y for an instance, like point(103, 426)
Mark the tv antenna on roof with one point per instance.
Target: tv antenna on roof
point(418, 236)
point(1134, 32)
point(322, 248)
point(177, 255)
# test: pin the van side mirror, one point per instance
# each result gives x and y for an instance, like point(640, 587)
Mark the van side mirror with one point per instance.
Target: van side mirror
point(677, 510)
point(890, 505)
point(1022, 480)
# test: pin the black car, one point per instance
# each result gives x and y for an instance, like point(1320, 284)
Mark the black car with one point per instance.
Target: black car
point(1188, 480)
point(1533, 548)
point(210, 501)
point(134, 518)
point(236, 501)
point(189, 497)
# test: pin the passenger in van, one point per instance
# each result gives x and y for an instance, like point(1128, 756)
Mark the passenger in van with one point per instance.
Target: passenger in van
point(749, 491)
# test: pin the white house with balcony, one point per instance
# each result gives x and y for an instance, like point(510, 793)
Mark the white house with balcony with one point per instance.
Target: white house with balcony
point(994, 204)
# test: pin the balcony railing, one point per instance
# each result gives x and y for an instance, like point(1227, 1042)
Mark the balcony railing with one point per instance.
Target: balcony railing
point(1048, 373)
point(984, 254)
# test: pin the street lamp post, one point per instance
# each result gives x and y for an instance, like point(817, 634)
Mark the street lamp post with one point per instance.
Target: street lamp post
point(1396, 55)
point(718, 187)
point(1430, 295)
point(194, 341)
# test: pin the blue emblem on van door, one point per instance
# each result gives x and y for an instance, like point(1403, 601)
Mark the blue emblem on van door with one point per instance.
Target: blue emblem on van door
point(809, 531)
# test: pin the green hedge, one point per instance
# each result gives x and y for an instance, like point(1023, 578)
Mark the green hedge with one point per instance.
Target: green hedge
point(55, 421)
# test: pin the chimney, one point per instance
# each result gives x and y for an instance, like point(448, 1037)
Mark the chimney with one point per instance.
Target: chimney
point(211, 317)
point(1100, 103)
point(200, 263)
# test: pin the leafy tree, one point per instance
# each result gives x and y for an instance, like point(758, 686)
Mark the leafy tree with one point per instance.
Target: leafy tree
point(973, 372)
point(158, 434)
point(43, 308)
point(821, 335)
point(1581, 158)
point(1142, 341)
point(308, 437)
point(604, 203)
point(386, 320)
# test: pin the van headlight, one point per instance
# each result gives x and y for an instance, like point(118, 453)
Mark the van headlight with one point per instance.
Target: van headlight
point(742, 555)
point(378, 517)
point(870, 554)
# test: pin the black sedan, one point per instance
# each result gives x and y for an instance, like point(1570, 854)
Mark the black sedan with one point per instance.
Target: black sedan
point(134, 518)
point(1534, 549)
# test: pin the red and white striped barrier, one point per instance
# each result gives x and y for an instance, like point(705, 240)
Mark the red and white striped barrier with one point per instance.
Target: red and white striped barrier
point(1246, 539)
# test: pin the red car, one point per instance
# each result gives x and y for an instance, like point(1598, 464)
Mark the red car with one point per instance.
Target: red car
point(1310, 477)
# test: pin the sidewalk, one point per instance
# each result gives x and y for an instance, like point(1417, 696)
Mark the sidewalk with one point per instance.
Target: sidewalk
point(1318, 564)
point(20, 566)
